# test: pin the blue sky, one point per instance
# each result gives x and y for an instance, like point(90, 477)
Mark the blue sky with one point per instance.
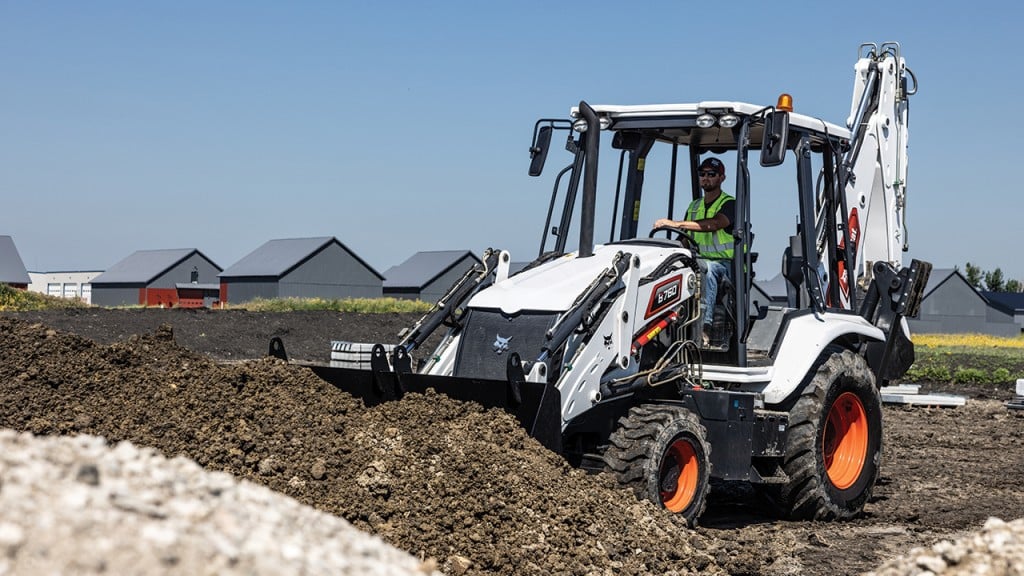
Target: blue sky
point(399, 127)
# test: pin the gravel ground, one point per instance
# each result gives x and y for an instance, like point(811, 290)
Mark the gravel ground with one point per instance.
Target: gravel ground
point(996, 550)
point(74, 505)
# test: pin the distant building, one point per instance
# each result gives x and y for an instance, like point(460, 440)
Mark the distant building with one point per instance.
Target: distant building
point(300, 268)
point(770, 292)
point(12, 268)
point(72, 284)
point(151, 277)
point(1009, 302)
point(952, 306)
point(428, 275)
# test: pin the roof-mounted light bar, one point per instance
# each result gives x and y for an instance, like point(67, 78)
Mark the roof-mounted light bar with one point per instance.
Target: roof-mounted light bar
point(580, 124)
point(707, 120)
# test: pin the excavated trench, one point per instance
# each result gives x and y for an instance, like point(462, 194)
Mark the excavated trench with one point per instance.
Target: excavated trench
point(447, 480)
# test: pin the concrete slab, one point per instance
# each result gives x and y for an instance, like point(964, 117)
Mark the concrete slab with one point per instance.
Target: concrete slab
point(910, 394)
point(943, 400)
point(901, 389)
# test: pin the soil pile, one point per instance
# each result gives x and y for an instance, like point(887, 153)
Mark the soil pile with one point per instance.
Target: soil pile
point(449, 481)
point(438, 478)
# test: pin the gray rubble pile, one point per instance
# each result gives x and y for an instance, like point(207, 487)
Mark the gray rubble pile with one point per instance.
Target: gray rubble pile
point(74, 505)
point(996, 550)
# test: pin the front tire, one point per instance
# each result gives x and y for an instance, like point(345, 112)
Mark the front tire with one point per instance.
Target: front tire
point(834, 447)
point(662, 453)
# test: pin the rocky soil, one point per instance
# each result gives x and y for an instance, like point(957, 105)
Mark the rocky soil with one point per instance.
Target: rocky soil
point(74, 505)
point(455, 486)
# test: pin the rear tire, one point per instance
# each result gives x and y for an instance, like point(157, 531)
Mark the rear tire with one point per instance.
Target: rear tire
point(662, 453)
point(834, 447)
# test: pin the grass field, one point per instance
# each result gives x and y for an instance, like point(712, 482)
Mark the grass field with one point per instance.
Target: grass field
point(16, 300)
point(970, 359)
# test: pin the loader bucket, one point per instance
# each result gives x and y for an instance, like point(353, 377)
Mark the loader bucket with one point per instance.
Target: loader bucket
point(537, 406)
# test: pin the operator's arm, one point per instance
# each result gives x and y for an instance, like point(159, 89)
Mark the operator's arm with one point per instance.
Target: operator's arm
point(716, 222)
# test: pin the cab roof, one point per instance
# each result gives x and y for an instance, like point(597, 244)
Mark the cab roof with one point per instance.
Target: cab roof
point(677, 123)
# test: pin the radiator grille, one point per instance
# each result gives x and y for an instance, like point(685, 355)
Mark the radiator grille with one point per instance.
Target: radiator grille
point(490, 336)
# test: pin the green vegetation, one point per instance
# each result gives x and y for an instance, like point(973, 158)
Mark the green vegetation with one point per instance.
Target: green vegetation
point(12, 299)
point(967, 359)
point(992, 281)
point(361, 305)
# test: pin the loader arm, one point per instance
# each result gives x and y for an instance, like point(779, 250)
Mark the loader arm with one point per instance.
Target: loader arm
point(456, 296)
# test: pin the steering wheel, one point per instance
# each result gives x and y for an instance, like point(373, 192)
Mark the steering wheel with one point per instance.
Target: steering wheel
point(685, 237)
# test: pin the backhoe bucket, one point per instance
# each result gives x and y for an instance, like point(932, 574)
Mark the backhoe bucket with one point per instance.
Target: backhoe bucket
point(537, 406)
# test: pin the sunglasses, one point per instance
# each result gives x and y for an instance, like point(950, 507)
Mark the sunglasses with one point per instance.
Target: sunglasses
point(708, 174)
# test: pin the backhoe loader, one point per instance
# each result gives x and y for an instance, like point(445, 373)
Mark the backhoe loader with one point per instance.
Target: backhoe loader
point(599, 351)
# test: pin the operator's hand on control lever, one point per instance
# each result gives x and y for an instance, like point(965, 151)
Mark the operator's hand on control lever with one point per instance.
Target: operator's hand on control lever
point(664, 222)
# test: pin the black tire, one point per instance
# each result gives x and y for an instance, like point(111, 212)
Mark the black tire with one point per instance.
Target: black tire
point(662, 453)
point(834, 448)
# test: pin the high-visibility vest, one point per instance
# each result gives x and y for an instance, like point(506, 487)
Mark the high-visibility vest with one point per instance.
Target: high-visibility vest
point(717, 244)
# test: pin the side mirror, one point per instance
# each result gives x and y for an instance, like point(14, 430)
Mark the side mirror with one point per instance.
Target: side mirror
point(539, 150)
point(773, 143)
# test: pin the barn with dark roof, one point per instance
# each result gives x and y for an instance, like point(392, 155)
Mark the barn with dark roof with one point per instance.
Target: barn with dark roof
point(12, 268)
point(1009, 302)
point(319, 267)
point(151, 277)
point(428, 275)
point(951, 305)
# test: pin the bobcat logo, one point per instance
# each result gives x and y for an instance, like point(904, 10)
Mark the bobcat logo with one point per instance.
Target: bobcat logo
point(500, 344)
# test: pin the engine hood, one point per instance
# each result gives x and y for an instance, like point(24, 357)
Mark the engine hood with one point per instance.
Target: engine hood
point(555, 285)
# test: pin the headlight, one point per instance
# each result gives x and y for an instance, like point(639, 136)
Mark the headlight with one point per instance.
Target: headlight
point(728, 120)
point(706, 121)
point(580, 124)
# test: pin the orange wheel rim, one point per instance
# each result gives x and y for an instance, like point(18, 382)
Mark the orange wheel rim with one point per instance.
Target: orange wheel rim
point(679, 475)
point(845, 445)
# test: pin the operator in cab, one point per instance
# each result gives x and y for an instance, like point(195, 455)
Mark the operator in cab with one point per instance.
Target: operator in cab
point(710, 219)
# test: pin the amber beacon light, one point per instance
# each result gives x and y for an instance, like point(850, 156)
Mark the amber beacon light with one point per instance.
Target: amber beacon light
point(785, 103)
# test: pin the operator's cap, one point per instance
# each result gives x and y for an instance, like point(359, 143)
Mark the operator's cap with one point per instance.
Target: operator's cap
point(712, 164)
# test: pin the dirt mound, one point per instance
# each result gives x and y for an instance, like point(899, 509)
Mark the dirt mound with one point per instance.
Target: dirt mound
point(449, 481)
point(432, 476)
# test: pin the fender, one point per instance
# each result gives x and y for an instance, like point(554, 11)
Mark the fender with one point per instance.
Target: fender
point(807, 335)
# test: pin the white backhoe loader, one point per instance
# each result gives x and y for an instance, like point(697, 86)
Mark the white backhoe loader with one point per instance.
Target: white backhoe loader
point(599, 351)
